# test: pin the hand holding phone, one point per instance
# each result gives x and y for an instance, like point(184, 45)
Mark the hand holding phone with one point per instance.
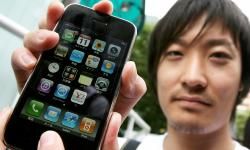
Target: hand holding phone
point(53, 68)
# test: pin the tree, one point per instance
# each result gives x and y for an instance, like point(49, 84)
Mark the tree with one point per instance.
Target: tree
point(147, 107)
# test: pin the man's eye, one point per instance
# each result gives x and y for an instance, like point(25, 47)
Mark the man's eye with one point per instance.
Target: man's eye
point(220, 57)
point(173, 54)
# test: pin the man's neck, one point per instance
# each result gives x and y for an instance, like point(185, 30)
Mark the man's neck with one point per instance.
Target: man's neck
point(220, 139)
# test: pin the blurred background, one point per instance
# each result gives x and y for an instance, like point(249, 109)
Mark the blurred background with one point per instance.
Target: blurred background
point(25, 15)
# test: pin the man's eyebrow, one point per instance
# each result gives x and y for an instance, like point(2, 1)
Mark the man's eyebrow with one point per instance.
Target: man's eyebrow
point(209, 43)
point(220, 42)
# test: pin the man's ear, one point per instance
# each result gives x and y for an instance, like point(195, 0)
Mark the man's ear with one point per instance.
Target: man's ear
point(241, 87)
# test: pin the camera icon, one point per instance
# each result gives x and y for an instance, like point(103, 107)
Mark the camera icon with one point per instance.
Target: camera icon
point(114, 50)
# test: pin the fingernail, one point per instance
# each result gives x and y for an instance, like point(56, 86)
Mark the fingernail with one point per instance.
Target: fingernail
point(28, 60)
point(40, 36)
point(134, 71)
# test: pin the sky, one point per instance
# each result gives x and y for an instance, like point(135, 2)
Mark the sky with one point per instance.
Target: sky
point(158, 8)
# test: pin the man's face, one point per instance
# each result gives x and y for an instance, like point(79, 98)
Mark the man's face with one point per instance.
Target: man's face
point(198, 80)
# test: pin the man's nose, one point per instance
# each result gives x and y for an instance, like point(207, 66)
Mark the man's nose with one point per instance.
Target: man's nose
point(194, 74)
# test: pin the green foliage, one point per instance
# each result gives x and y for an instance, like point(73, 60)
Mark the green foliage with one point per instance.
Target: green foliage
point(241, 118)
point(148, 107)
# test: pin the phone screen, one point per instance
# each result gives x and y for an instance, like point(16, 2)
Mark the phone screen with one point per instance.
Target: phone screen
point(75, 84)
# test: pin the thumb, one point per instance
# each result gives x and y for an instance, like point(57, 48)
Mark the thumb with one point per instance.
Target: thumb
point(50, 140)
point(110, 141)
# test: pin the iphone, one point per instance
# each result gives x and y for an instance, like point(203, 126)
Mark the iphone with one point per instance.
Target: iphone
point(74, 85)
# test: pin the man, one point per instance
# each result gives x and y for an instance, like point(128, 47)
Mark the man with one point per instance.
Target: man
point(200, 52)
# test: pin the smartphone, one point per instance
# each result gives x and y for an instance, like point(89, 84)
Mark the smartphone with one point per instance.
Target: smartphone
point(74, 85)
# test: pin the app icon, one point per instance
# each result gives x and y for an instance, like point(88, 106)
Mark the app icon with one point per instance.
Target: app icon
point(98, 45)
point(53, 67)
point(114, 50)
point(102, 84)
point(78, 97)
point(69, 73)
point(108, 66)
point(62, 91)
point(70, 119)
point(76, 56)
point(35, 108)
point(61, 51)
point(69, 35)
point(87, 125)
point(83, 40)
point(52, 114)
point(92, 61)
point(85, 80)
point(45, 85)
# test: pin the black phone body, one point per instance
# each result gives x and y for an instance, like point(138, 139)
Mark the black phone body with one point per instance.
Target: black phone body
point(74, 85)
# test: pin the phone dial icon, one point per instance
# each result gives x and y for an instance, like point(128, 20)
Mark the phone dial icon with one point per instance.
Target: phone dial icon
point(35, 108)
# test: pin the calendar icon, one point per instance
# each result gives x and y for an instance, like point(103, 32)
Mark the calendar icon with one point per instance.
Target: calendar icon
point(83, 40)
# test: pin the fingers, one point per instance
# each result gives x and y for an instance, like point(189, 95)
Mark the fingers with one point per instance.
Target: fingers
point(104, 6)
point(132, 89)
point(50, 140)
point(40, 40)
point(4, 116)
point(55, 11)
point(110, 141)
point(24, 59)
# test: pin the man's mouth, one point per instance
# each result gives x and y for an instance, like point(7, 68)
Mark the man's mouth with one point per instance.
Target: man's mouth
point(194, 99)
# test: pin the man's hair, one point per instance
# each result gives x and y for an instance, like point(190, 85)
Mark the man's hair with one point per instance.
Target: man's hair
point(183, 15)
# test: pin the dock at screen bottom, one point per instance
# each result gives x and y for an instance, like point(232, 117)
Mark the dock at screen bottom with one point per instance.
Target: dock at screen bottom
point(70, 122)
